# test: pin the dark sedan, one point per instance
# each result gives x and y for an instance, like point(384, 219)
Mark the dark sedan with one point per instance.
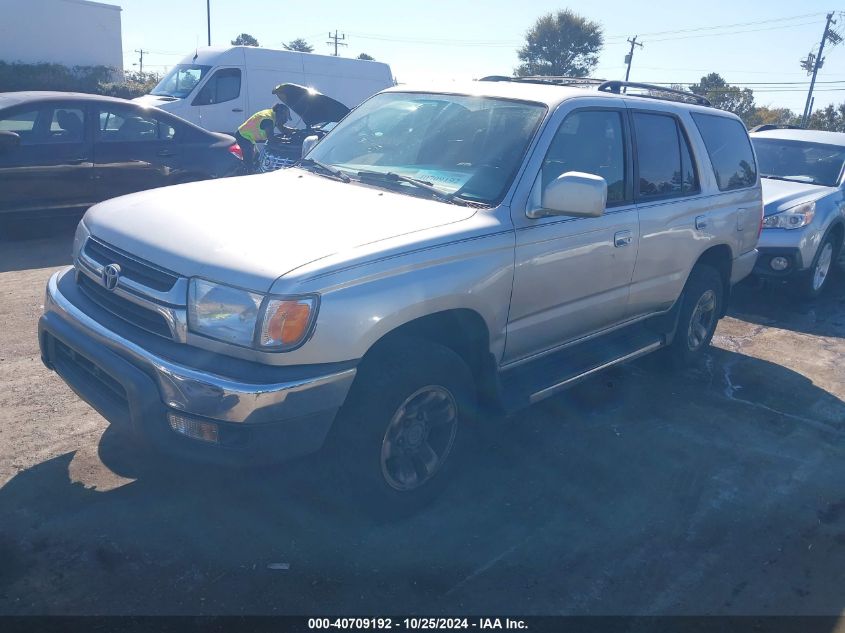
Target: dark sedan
point(61, 150)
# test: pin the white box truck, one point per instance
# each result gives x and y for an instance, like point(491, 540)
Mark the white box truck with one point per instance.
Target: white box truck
point(218, 88)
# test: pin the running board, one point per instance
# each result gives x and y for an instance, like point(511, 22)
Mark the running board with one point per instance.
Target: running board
point(527, 383)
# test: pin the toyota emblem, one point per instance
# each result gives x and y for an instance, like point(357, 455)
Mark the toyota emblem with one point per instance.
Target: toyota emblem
point(111, 275)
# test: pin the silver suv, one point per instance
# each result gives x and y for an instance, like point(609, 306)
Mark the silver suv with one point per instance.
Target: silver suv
point(437, 259)
point(804, 192)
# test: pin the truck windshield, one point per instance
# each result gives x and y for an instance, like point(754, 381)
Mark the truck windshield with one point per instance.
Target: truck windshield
point(814, 163)
point(180, 81)
point(466, 146)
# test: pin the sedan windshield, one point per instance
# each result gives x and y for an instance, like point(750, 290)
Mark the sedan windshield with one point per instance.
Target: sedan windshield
point(465, 147)
point(813, 163)
point(180, 81)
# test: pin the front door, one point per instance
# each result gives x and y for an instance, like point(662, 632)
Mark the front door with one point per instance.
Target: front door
point(221, 102)
point(572, 275)
point(52, 166)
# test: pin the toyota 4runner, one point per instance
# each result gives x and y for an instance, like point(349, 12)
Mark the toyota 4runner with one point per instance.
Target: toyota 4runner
point(439, 258)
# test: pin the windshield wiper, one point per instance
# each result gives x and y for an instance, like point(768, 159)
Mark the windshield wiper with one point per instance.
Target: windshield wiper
point(424, 185)
point(326, 170)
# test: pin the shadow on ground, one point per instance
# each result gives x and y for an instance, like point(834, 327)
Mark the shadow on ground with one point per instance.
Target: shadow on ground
point(635, 493)
point(41, 244)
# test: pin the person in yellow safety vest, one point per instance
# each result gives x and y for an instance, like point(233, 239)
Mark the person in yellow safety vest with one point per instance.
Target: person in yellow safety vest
point(258, 128)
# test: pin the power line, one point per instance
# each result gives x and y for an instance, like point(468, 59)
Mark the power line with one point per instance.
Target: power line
point(337, 41)
point(815, 62)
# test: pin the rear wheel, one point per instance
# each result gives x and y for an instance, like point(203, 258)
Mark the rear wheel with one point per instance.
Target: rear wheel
point(701, 307)
point(400, 436)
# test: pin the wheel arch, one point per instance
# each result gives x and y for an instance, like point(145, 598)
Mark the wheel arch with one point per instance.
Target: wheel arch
point(720, 258)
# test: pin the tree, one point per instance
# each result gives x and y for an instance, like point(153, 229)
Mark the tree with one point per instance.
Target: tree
point(722, 95)
point(765, 115)
point(245, 39)
point(300, 45)
point(367, 57)
point(561, 44)
point(829, 119)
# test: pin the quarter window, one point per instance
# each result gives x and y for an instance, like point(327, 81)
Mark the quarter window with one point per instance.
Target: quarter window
point(729, 149)
point(664, 160)
point(22, 123)
point(589, 141)
point(224, 85)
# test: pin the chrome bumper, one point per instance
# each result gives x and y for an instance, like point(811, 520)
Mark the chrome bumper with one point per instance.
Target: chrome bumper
point(206, 394)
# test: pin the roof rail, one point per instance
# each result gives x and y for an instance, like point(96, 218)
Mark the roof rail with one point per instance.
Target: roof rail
point(774, 126)
point(616, 86)
point(541, 79)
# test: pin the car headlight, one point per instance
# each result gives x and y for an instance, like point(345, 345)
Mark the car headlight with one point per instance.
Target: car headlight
point(249, 319)
point(793, 218)
point(79, 238)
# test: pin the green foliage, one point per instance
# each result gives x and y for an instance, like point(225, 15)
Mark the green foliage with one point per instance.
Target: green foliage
point(91, 79)
point(764, 115)
point(367, 57)
point(245, 39)
point(722, 95)
point(830, 119)
point(300, 45)
point(561, 44)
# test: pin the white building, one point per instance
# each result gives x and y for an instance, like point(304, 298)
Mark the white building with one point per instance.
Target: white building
point(68, 32)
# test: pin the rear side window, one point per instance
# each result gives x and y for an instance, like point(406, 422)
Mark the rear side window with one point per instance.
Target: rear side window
point(729, 149)
point(664, 160)
point(224, 85)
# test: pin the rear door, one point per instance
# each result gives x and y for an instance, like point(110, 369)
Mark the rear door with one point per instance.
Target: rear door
point(134, 150)
point(52, 167)
point(221, 101)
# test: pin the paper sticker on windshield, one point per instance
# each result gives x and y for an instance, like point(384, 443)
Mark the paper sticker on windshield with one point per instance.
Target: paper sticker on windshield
point(447, 180)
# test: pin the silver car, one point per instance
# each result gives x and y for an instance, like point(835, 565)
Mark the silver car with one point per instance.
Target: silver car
point(439, 258)
point(803, 187)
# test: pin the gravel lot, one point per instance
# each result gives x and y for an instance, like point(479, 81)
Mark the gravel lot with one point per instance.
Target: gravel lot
point(719, 490)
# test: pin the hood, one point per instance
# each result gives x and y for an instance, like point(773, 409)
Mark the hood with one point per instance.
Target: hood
point(155, 101)
point(312, 106)
point(779, 195)
point(249, 231)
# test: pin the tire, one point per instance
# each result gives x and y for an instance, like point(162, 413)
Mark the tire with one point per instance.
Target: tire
point(813, 282)
point(701, 306)
point(392, 460)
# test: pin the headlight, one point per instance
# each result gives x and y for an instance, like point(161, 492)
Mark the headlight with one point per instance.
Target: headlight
point(793, 218)
point(249, 319)
point(79, 238)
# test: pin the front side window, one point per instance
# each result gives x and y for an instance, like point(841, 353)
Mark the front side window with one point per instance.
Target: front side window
point(729, 150)
point(22, 123)
point(180, 81)
point(466, 146)
point(125, 125)
point(589, 141)
point(67, 125)
point(224, 85)
point(814, 163)
point(664, 160)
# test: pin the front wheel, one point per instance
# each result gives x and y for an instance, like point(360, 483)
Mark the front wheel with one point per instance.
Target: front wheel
point(701, 307)
point(401, 433)
point(815, 280)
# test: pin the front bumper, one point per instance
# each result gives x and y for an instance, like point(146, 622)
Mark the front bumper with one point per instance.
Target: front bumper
point(793, 256)
point(136, 379)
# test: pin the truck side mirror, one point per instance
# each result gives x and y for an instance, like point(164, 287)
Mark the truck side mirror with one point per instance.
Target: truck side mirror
point(573, 193)
point(309, 143)
point(9, 141)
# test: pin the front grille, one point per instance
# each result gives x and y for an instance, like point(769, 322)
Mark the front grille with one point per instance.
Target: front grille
point(123, 308)
point(132, 268)
point(87, 371)
point(272, 162)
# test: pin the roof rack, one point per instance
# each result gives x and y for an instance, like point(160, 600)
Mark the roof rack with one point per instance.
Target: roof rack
point(774, 126)
point(541, 79)
point(616, 86)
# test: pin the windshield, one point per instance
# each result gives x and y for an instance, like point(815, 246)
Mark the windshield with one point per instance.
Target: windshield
point(469, 147)
point(800, 161)
point(180, 81)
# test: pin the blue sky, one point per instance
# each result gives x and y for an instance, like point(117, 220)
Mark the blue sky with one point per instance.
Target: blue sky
point(459, 39)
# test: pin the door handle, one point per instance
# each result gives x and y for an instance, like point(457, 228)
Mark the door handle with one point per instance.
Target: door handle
point(622, 238)
point(76, 161)
point(700, 222)
point(237, 109)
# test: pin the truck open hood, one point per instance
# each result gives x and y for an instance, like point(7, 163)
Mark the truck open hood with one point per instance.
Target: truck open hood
point(779, 195)
point(312, 106)
point(249, 231)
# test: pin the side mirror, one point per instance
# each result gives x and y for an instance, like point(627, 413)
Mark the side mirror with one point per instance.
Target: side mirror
point(9, 140)
point(573, 193)
point(309, 143)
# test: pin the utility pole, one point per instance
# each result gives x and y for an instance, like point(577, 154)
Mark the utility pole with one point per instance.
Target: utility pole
point(337, 41)
point(815, 62)
point(141, 52)
point(630, 56)
point(208, 15)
